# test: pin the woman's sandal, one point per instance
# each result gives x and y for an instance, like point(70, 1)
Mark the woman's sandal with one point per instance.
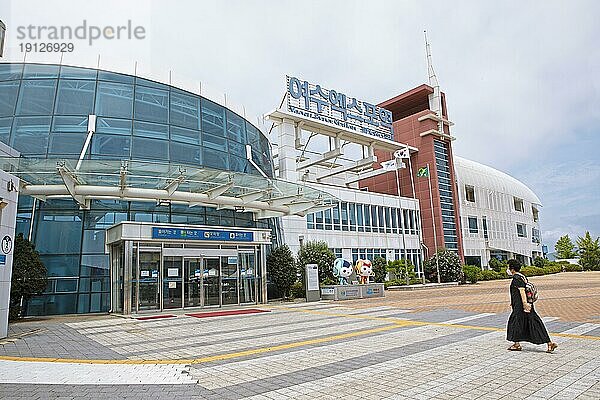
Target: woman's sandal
point(515, 347)
point(551, 347)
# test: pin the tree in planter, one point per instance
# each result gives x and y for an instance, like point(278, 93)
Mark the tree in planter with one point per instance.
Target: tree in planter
point(449, 264)
point(317, 253)
point(379, 269)
point(565, 248)
point(281, 268)
point(589, 252)
point(29, 275)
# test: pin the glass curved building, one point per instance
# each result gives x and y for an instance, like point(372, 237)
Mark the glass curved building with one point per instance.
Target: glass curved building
point(100, 148)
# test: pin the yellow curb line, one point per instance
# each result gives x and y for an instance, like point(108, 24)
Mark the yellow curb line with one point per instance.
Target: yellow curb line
point(218, 357)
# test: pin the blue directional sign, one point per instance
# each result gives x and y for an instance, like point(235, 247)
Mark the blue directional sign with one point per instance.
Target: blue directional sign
point(201, 234)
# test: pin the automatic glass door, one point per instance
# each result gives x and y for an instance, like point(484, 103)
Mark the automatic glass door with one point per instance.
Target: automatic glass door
point(192, 268)
point(211, 281)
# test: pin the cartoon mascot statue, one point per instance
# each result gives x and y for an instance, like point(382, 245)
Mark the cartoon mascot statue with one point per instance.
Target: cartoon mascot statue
point(342, 269)
point(364, 270)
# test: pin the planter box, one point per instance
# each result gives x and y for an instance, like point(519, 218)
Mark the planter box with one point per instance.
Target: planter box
point(350, 292)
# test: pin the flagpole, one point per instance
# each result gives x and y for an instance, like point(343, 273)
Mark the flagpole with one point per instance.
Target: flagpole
point(401, 221)
point(437, 261)
point(412, 184)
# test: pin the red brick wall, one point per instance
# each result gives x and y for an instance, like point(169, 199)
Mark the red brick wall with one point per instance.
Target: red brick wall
point(408, 130)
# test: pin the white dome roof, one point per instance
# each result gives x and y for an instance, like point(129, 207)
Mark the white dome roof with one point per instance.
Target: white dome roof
point(473, 173)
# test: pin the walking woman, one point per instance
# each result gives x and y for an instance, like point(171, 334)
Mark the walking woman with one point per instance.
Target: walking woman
point(524, 325)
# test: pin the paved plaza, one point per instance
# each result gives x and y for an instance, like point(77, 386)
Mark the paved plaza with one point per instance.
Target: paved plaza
point(443, 343)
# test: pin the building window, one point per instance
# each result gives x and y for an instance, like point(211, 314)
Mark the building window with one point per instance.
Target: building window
point(535, 235)
point(536, 213)
point(518, 204)
point(310, 221)
point(473, 228)
point(521, 232)
point(485, 228)
point(470, 193)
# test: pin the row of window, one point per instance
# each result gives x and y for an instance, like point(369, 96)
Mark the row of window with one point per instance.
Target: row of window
point(442, 163)
point(414, 255)
point(365, 218)
point(473, 225)
point(518, 203)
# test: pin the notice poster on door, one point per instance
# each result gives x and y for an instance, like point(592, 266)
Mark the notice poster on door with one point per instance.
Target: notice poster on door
point(155, 274)
point(172, 285)
point(197, 272)
point(172, 271)
point(145, 273)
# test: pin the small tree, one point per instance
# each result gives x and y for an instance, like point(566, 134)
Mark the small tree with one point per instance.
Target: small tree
point(281, 268)
point(589, 252)
point(379, 269)
point(449, 264)
point(29, 275)
point(317, 253)
point(400, 268)
point(565, 248)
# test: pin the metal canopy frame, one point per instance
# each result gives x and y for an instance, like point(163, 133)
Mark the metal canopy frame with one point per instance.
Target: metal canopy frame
point(46, 178)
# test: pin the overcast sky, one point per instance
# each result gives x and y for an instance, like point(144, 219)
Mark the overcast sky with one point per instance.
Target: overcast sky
point(521, 78)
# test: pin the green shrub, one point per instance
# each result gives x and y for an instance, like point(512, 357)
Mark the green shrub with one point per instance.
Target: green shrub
point(553, 269)
point(379, 269)
point(471, 273)
point(540, 262)
point(489, 275)
point(573, 268)
point(281, 269)
point(29, 276)
point(399, 268)
point(297, 290)
point(532, 271)
point(316, 253)
point(497, 265)
point(449, 265)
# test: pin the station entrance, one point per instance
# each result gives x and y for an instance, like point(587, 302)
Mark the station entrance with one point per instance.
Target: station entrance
point(164, 267)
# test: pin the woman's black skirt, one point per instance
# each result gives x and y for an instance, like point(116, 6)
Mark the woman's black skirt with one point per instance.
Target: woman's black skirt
point(526, 327)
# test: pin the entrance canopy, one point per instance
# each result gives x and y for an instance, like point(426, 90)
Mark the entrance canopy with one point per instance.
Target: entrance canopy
point(84, 180)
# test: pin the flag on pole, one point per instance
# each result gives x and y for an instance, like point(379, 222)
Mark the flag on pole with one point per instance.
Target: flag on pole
point(402, 153)
point(389, 165)
point(423, 172)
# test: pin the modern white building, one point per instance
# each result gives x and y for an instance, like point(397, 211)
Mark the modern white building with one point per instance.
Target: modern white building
point(333, 155)
point(499, 215)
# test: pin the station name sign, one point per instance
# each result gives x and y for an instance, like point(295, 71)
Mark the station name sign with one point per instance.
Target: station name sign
point(202, 234)
point(333, 107)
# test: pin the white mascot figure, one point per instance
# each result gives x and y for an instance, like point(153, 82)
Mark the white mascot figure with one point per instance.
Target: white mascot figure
point(342, 269)
point(364, 270)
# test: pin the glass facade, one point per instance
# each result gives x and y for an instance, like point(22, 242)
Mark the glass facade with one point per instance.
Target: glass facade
point(445, 186)
point(44, 113)
point(358, 217)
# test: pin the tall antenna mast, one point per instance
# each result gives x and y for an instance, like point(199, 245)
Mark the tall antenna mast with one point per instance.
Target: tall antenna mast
point(436, 101)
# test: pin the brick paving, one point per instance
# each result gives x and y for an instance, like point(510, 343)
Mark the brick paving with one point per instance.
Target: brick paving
point(438, 343)
point(571, 296)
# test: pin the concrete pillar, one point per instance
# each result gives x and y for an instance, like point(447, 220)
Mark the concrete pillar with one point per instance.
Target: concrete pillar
point(287, 151)
point(8, 215)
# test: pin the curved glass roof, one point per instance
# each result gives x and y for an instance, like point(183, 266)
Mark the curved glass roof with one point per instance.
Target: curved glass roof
point(150, 181)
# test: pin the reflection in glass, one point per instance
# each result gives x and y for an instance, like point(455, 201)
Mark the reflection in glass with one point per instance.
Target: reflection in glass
point(114, 100)
point(75, 97)
point(185, 110)
point(151, 104)
point(36, 97)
